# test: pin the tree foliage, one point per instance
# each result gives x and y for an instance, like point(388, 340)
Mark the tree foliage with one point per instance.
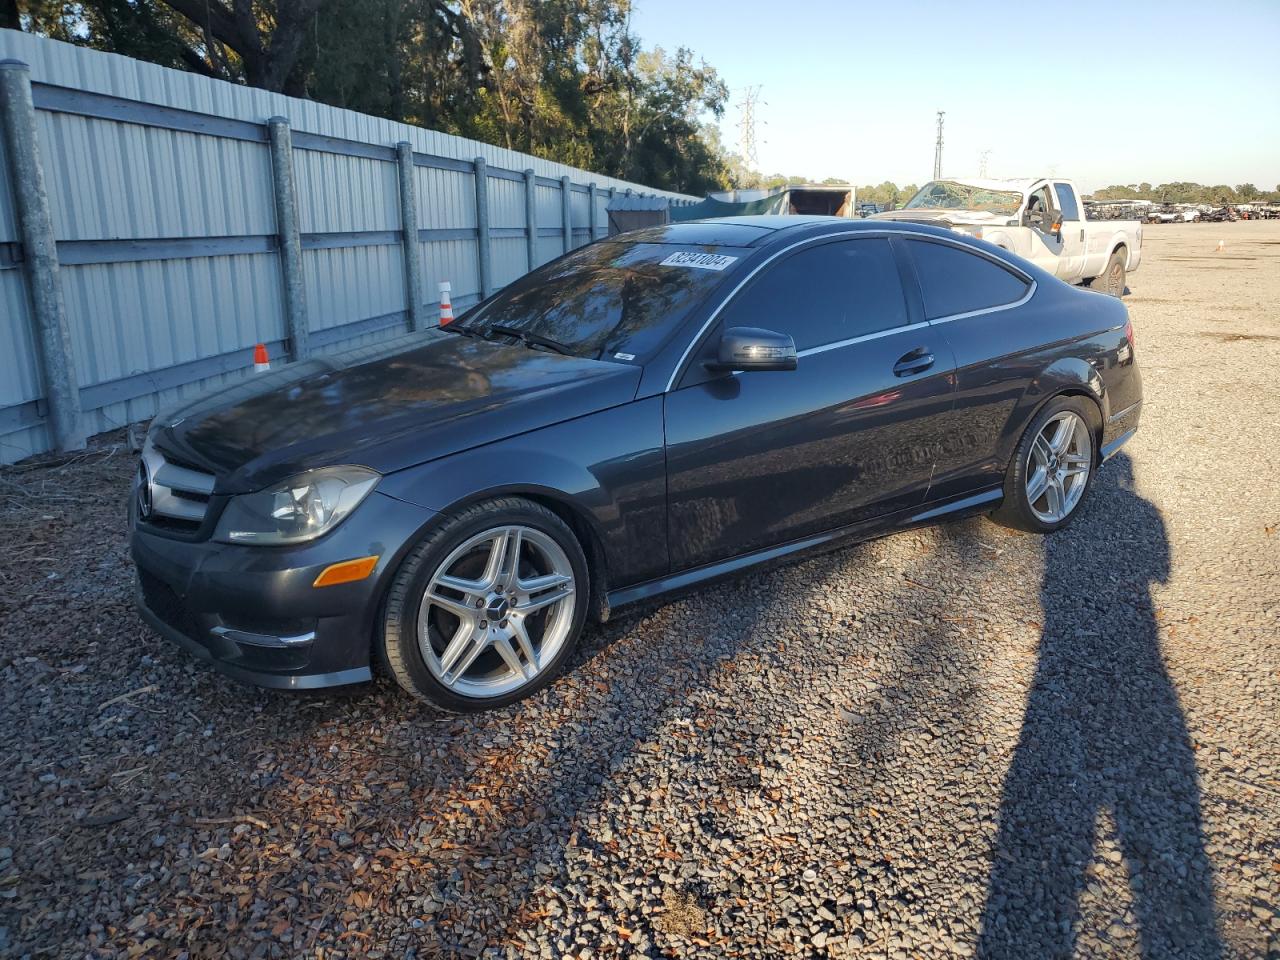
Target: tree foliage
point(562, 79)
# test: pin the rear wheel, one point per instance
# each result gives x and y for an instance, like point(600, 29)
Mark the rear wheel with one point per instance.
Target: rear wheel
point(1052, 468)
point(1112, 280)
point(487, 609)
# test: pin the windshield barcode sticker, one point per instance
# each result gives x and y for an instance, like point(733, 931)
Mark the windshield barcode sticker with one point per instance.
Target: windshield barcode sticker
point(700, 261)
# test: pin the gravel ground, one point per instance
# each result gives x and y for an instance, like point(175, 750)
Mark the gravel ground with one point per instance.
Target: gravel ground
point(954, 742)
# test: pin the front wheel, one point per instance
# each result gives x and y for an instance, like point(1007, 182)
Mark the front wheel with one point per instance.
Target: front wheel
point(1052, 468)
point(487, 608)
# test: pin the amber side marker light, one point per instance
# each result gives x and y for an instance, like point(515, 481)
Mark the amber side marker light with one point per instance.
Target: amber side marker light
point(348, 571)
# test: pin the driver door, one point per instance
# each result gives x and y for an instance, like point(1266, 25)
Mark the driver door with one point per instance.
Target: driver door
point(1046, 246)
point(756, 459)
point(1073, 250)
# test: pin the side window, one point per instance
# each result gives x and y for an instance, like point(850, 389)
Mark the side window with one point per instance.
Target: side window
point(825, 294)
point(1066, 201)
point(956, 281)
point(1039, 201)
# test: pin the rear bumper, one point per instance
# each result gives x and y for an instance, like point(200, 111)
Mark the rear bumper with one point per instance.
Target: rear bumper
point(253, 613)
point(1120, 428)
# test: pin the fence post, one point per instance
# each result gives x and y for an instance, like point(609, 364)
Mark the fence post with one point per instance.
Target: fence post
point(566, 213)
point(295, 297)
point(531, 217)
point(592, 216)
point(482, 226)
point(40, 256)
point(409, 236)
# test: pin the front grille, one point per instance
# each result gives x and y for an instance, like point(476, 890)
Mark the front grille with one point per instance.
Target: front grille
point(175, 495)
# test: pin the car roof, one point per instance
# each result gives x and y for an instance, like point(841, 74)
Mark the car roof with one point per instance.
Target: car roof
point(759, 231)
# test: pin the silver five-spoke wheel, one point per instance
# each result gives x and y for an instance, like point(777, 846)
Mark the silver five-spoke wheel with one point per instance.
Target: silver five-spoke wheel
point(1058, 465)
point(496, 611)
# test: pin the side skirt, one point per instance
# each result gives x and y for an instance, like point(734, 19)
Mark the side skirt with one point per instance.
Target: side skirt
point(982, 502)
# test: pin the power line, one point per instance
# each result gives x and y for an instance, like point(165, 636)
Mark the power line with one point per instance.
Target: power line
point(747, 128)
point(937, 150)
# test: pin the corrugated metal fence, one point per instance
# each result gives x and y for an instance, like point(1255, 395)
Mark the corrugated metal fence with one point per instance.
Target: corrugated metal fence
point(179, 243)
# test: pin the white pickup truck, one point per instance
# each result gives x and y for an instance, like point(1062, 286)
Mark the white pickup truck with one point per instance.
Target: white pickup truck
point(1041, 220)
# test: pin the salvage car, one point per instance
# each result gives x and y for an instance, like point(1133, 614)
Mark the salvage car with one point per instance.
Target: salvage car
point(639, 417)
point(1044, 220)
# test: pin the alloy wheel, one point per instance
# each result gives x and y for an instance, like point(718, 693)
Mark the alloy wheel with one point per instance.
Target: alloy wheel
point(496, 611)
point(1058, 466)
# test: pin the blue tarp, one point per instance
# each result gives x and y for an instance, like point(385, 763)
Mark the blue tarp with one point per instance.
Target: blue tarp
point(778, 203)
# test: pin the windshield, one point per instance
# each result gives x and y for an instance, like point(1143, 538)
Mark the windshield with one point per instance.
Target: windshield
point(949, 195)
point(608, 300)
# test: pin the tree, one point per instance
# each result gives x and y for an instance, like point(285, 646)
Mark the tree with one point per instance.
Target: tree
point(266, 37)
point(562, 79)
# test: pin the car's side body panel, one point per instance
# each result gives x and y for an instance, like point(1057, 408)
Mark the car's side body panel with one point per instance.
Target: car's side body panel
point(759, 458)
point(608, 467)
point(1010, 362)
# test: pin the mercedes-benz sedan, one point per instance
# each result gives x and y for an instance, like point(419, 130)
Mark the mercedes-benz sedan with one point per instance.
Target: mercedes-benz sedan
point(640, 416)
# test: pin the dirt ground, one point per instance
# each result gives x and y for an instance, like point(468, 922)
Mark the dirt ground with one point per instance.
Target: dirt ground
point(949, 742)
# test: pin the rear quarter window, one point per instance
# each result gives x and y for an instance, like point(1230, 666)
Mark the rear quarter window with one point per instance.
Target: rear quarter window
point(955, 281)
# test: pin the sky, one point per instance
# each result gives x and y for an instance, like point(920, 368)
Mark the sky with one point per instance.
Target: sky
point(1101, 92)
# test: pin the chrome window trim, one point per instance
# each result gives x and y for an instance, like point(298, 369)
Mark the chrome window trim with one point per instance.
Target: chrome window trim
point(1031, 289)
point(866, 234)
point(862, 339)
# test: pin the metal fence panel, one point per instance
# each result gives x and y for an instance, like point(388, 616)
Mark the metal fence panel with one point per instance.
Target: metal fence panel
point(129, 318)
point(109, 180)
point(509, 260)
point(353, 283)
point(506, 203)
point(367, 200)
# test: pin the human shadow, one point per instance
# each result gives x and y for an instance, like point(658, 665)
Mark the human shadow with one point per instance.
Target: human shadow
point(1103, 735)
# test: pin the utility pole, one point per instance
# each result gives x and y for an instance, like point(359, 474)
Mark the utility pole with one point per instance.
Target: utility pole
point(937, 149)
point(982, 163)
point(747, 129)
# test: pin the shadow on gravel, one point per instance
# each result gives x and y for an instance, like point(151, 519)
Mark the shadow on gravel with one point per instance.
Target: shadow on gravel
point(1103, 732)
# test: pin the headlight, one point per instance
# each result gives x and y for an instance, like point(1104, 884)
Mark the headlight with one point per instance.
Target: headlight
point(300, 509)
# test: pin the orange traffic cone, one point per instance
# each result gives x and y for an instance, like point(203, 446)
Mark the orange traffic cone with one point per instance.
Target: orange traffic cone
point(261, 362)
point(446, 308)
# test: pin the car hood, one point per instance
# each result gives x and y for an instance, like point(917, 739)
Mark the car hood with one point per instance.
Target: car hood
point(947, 218)
point(386, 408)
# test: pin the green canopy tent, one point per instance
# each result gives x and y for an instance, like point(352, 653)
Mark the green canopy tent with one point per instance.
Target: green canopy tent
point(777, 203)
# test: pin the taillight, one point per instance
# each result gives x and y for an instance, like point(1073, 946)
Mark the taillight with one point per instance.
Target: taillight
point(1128, 331)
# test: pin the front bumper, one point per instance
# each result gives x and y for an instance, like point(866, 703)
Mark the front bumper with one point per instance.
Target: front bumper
point(252, 611)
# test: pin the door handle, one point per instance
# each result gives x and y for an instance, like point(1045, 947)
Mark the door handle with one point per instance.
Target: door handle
point(917, 361)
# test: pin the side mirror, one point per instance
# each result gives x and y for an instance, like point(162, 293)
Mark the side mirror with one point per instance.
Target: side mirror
point(750, 348)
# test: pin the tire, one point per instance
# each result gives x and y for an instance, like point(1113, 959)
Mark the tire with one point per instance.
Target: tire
point(1112, 279)
point(1034, 468)
point(464, 629)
